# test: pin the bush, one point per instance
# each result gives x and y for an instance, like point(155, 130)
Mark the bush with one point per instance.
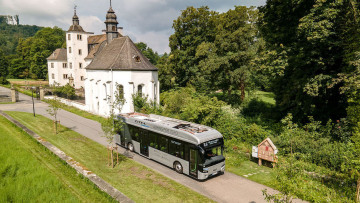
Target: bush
point(66, 91)
point(3, 81)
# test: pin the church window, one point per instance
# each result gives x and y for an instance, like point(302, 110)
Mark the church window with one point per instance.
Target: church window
point(120, 91)
point(113, 28)
point(80, 65)
point(52, 65)
point(82, 78)
point(69, 50)
point(140, 90)
point(105, 89)
point(79, 37)
point(70, 64)
point(69, 37)
point(53, 76)
point(64, 65)
point(80, 51)
point(65, 76)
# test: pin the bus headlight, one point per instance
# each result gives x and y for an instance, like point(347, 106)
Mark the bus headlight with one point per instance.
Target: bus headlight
point(205, 170)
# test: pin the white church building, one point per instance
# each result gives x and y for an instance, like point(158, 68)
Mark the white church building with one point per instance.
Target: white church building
point(103, 65)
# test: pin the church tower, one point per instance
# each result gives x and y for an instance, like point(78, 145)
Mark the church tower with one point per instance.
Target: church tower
point(77, 50)
point(111, 25)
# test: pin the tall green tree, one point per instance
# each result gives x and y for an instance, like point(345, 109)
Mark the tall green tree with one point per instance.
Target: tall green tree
point(193, 27)
point(311, 35)
point(227, 63)
point(33, 51)
point(3, 67)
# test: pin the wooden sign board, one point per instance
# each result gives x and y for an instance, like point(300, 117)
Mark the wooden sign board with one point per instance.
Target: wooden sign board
point(267, 151)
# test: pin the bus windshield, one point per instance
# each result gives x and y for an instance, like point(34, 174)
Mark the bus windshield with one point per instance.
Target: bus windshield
point(212, 156)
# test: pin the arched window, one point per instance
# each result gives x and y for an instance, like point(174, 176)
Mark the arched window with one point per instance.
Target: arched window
point(120, 91)
point(140, 90)
point(105, 89)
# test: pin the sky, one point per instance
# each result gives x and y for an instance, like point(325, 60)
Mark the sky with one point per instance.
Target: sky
point(148, 21)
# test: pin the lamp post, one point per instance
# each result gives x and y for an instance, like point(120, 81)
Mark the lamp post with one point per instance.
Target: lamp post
point(32, 96)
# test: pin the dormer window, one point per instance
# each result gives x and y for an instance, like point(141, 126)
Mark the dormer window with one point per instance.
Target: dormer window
point(137, 59)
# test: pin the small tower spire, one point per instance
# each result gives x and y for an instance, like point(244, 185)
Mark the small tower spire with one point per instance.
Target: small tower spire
point(75, 17)
point(111, 25)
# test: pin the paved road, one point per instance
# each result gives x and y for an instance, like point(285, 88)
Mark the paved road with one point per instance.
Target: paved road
point(224, 188)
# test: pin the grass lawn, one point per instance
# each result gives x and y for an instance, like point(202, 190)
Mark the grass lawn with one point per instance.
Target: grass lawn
point(239, 164)
point(139, 183)
point(31, 173)
point(267, 97)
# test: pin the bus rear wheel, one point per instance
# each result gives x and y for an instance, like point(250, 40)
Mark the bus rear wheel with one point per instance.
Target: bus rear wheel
point(130, 146)
point(178, 167)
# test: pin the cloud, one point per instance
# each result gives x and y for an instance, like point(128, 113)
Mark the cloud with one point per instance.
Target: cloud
point(149, 21)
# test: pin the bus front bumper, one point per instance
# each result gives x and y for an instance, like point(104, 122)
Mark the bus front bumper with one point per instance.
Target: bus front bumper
point(212, 170)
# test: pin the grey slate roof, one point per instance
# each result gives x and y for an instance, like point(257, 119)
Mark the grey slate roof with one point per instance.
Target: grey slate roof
point(120, 54)
point(76, 28)
point(58, 54)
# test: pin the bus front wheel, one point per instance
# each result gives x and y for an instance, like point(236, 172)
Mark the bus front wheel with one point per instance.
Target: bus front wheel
point(178, 167)
point(130, 146)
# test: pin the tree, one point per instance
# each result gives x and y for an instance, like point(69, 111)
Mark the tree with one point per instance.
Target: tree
point(33, 51)
point(3, 68)
point(111, 126)
point(227, 62)
point(194, 27)
point(54, 107)
point(318, 39)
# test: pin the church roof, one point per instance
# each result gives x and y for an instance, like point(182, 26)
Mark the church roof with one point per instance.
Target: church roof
point(76, 28)
point(120, 54)
point(95, 49)
point(96, 39)
point(58, 54)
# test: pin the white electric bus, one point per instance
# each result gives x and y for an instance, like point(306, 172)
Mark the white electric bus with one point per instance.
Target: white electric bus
point(193, 149)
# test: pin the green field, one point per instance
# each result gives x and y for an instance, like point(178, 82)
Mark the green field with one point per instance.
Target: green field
point(136, 181)
point(31, 173)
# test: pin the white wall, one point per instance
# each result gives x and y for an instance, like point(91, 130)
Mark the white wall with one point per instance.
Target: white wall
point(74, 58)
point(100, 86)
point(58, 71)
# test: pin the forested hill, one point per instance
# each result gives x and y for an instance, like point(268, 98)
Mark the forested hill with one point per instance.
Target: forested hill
point(10, 35)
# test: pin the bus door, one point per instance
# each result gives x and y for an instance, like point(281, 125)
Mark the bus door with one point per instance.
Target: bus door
point(122, 135)
point(193, 162)
point(144, 142)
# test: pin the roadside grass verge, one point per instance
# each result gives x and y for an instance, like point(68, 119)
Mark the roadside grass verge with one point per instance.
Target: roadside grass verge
point(139, 183)
point(31, 173)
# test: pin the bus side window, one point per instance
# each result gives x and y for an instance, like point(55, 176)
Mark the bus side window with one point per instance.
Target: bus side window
point(134, 132)
point(186, 150)
point(153, 140)
point(163, 143)
point(176, 148)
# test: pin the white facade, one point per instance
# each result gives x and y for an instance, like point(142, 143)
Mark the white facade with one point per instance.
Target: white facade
point(100, 87)
point(56, 72)
point(77, 50)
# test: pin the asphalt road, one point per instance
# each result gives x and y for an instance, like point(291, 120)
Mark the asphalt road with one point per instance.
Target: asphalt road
point(223, 188)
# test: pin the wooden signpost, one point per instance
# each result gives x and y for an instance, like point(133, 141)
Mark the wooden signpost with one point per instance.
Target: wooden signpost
point(266, 150)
